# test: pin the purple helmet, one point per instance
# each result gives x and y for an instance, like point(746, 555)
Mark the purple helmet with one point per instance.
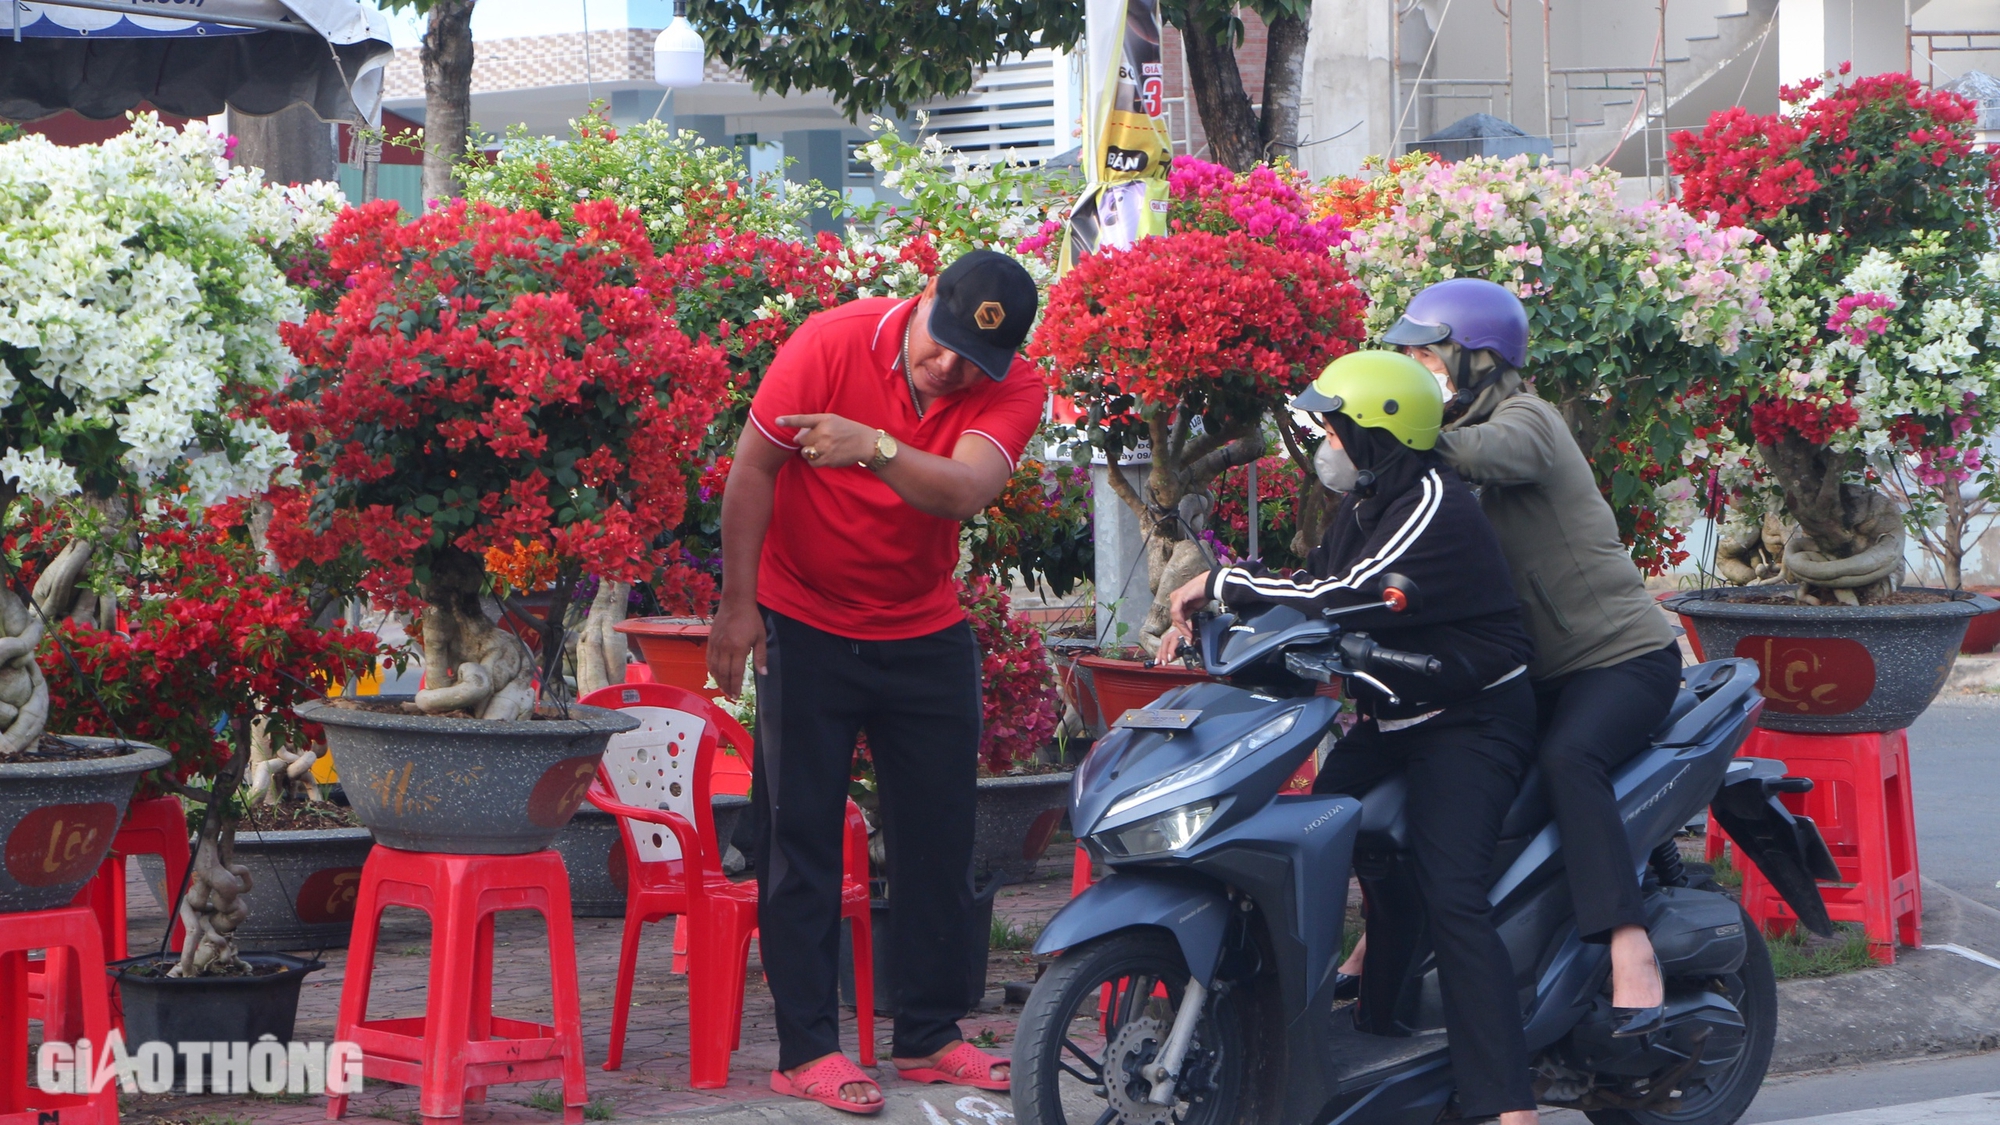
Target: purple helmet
point(1469, 312)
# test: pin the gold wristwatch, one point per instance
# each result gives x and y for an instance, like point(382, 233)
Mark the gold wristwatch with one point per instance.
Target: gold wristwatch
point(885, 451)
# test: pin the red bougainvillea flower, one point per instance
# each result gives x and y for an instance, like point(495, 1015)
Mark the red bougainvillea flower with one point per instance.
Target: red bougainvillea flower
point(485, 382)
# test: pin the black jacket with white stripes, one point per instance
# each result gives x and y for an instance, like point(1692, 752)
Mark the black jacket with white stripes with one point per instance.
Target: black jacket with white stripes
point(1431, 531)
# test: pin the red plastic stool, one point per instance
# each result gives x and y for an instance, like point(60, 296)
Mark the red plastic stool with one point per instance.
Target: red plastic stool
point(1860, 800)
point(70, 936)
point(458, 1047)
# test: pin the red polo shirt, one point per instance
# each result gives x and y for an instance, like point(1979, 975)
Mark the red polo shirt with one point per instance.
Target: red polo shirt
point(846, 554)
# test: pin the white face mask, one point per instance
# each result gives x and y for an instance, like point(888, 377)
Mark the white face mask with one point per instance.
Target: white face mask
point(1444, 385)
point(1334, 467)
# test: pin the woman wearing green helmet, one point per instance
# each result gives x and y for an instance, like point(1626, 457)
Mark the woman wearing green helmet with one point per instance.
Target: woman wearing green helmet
point(1462, 738)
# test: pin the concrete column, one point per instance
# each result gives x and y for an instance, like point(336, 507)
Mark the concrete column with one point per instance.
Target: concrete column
point(709, 126)
point(1121, 579)
point(629, 107)
point(1801, 40)
point(1348, 80)
point(818, 154)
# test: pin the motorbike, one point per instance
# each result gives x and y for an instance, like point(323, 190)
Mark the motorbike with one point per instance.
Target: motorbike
point(1193, 984)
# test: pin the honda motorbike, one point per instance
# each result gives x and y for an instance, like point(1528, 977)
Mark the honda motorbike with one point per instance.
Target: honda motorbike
point(1193, 984)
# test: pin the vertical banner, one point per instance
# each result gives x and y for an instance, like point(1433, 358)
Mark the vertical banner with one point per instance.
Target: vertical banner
point(1125, 130)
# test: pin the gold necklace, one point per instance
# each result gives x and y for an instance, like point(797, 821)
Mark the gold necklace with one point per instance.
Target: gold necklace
point(908, 378)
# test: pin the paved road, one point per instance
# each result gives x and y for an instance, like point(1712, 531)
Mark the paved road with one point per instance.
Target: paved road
point(1954, 1091)
point(1955, 764)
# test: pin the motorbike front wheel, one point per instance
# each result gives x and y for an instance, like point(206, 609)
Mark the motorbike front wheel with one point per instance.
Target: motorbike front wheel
point(1100, 1015)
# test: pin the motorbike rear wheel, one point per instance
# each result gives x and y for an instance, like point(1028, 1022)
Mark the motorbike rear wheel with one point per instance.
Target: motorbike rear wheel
point(1103, 1010)
point(1721, 1098)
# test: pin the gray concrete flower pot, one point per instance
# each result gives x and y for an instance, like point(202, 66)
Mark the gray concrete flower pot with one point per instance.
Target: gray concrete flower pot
point(57, 820)
point(464, 786)
point(593, 851)
point(1835, 669)
point(1014, 821)
point(302, 886)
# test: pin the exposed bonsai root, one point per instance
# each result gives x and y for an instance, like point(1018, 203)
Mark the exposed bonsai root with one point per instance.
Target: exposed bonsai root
point(1187, 560)
point(213, 907)
point(471, 664)
point(1871, 569)
point(1750, 552)
point(24, 695)
point(601, 649)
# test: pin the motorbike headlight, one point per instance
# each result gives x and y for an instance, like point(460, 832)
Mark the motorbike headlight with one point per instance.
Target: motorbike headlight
point(1169, 832)
point(1208, 767)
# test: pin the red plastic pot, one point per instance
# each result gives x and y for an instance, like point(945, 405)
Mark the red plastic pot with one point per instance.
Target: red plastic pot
point(675, 648)
point(1124, 684)
point(1694, 640)
point(1982, 634)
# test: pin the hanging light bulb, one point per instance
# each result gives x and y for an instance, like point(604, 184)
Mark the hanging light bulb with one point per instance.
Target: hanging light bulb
point(678, 53)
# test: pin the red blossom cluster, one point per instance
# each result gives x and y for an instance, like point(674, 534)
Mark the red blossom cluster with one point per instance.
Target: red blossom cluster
point(211, 635)
point(483, 381)
point(1225, 321)
point(1847, 153)
point(1816, 419)
point(1018, 696)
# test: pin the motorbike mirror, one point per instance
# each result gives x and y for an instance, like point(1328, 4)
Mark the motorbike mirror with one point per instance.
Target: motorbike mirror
point(1400, 594)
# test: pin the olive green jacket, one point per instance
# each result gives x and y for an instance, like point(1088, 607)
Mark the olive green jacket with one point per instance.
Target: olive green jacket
point(1587, 606)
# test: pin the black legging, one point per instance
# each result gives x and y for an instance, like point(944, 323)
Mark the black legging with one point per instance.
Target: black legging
point(1464, 768)
point(1592, 722)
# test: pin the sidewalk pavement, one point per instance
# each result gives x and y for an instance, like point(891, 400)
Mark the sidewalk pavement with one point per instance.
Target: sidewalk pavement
point(1933, 1001)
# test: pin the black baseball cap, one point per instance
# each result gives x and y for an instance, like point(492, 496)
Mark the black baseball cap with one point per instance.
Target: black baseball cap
point(984, 307)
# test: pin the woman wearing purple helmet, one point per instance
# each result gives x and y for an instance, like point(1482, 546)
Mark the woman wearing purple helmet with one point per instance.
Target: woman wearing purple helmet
point(1606, 666)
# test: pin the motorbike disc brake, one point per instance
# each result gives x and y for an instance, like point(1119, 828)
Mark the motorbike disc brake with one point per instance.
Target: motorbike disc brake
point(1134, 1048)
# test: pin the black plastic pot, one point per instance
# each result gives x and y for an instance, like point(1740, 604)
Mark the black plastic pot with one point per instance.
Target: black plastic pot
point(980, 925)
point(1835, 669)
point(235, 1009)
point(1014, 821)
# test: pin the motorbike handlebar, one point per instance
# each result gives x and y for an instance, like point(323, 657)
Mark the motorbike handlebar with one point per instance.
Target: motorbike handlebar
point(1408, 661)
point(1362, 652)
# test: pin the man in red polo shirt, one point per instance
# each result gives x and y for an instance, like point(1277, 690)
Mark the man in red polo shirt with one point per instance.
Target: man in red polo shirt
point(881, 426)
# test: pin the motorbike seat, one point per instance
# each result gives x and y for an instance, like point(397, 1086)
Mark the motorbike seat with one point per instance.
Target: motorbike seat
point(1683, 703)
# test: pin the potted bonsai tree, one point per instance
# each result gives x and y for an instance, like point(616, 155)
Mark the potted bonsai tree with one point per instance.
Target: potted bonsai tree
point(1883, 348)
point(531, 384)
point(211, 633)
point(1182, 345)
point(145, 286)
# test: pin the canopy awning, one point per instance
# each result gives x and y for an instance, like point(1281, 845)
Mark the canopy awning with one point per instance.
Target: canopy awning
point(192, 57)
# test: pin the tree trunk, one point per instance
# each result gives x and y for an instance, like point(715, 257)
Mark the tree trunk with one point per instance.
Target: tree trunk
point(1234, 137)
point(1284, 85)
point(601, 649)
point(470, 664)
point(1849, 543)
point(1952, 560)
point(447, 60)
point(213, 907)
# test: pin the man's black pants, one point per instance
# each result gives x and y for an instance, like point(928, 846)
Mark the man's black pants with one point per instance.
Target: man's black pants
point(919, 702)
point(1592, 722)
point(1464, 768)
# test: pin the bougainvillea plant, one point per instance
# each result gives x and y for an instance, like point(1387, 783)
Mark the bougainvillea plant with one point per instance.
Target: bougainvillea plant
point(1187, 341)
point(1018, 693)
point(141, 290)
point(744, 269)
point(1280, 486)
point(210, 636)
point(1038, 529)
point(488, 380)
point(1883, 210)
point(1629, 307)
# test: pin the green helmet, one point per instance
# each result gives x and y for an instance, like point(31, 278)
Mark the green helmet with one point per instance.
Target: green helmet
point(1385, 390)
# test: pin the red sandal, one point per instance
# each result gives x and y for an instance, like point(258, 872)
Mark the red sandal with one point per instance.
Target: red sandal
point(963, 1065)
point(823, 1082)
